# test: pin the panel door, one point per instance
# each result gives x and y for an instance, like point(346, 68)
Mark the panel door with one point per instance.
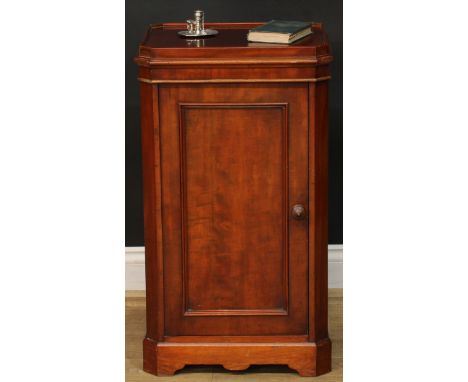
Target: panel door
point(234, 161)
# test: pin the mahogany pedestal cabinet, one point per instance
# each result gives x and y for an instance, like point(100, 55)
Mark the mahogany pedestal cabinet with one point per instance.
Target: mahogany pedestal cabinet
point(235, 156)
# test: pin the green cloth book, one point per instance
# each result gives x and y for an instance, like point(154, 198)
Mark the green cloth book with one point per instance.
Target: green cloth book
point(281, 32)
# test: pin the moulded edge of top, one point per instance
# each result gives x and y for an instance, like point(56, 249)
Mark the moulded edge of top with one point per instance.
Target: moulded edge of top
point(288, 55)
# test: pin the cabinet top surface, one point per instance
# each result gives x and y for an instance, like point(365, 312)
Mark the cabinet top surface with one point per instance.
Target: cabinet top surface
point(163, 42)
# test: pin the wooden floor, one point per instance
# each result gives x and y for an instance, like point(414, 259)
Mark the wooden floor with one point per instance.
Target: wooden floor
point(135, 331)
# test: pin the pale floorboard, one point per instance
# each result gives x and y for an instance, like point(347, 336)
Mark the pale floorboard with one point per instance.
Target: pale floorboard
point(135, 330)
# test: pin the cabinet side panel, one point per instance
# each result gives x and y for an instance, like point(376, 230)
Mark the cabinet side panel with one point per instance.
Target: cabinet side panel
point(152, 210)
point(318, 201)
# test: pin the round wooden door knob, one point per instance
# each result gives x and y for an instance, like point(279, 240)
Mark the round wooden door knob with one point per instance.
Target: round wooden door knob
point(298, 211)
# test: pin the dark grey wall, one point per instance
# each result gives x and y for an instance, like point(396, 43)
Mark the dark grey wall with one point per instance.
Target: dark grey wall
point(141, 13)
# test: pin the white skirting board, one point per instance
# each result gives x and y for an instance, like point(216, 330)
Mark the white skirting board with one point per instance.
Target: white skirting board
point(135, 267)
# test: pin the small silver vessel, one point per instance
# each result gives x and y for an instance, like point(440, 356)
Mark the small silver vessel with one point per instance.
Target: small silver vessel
point(196, 27)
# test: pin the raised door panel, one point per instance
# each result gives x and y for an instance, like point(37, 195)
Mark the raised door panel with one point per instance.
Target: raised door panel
point(234, 161)
point(234, 195)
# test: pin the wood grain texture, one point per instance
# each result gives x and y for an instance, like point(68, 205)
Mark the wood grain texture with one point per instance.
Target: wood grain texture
point(318, 202)
point(230, 56)
point(135, 331)
point(301, 357)
point(233, 277)
point(235, 241)
point(161, 43)
point(243, 235)
point(150, 200)
point(236, 339)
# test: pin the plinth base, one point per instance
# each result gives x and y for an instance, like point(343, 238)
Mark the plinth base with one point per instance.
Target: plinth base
point(307, 358)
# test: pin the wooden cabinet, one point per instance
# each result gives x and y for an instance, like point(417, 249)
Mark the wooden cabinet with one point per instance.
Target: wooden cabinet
point(234, 140)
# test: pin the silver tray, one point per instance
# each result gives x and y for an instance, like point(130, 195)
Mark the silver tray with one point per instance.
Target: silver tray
point(204, 33)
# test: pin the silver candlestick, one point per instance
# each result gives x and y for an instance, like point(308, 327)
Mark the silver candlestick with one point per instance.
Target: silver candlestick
point(196, 27)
